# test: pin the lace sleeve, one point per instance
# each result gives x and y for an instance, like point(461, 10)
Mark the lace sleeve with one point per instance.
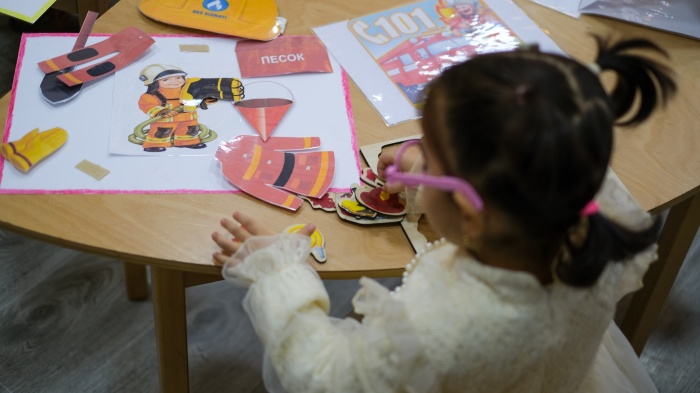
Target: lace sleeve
point(618, 205)
point(308, 351)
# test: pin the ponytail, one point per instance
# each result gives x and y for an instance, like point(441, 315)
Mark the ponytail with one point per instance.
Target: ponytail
point(580, 264)
point(637, 76)
point(595, 240)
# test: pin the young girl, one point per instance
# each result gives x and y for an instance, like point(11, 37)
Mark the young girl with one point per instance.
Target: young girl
point(540, 242)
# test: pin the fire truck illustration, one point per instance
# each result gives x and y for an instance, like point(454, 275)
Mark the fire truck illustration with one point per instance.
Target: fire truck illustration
point(416, 61)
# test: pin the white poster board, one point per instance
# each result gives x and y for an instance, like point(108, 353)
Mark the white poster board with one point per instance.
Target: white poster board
point(26, 10)
point(105, 111)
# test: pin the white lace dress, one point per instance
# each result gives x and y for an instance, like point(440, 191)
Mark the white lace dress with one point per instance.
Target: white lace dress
point(455, 325)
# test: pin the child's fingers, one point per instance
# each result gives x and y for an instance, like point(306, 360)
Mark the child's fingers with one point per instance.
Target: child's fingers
point(307, 230)
point(239, 232)
point(393, 187)
point(220, 259)
point(228, 246)
point(252, 225)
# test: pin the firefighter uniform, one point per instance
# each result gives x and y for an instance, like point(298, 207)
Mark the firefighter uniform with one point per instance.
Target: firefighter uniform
point(183, 128)
point(275, 171)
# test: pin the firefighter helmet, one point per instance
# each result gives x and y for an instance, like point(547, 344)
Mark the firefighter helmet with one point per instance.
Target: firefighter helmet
point(154, 72)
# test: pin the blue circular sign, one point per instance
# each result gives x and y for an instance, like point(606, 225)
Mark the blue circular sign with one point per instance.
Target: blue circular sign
point(215, 5)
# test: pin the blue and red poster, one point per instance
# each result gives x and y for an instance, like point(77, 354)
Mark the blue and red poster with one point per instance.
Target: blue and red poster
point(394, 53)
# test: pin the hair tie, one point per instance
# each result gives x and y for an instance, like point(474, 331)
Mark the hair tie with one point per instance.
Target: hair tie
point(594, 67)
point(590, 209)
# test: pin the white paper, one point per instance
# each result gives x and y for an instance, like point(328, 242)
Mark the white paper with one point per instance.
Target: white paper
point(567, 7)
point(27, 10)
point(677, 16)
point(321, 108)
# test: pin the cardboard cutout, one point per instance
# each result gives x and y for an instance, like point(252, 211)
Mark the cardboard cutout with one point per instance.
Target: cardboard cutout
point(273, 173)
point(52, 89)
point(265, 105)
point(285, 55)
point(317, 248)
point(130, 43)
point(255, 19)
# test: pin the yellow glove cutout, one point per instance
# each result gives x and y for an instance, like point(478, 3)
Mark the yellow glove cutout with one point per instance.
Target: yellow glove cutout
point(33, 147)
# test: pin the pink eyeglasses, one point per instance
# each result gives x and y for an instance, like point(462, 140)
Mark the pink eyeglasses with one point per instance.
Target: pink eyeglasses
point(445, 183)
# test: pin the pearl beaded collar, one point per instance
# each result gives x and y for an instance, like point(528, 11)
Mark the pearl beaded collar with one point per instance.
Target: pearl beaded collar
point(416, 261)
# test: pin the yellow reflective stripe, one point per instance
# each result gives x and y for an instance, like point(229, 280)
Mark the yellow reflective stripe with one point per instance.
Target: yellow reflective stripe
point(322, 173)
point(253, 163)
point(289, 201)
point(72, 78)
point(53, 65)
point(155, 110)
point(158, 140)
point(307, 142)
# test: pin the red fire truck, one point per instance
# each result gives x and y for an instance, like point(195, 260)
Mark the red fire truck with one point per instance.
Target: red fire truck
point(417, 60)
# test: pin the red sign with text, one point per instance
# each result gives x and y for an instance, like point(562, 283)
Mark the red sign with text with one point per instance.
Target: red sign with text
point(283, 55)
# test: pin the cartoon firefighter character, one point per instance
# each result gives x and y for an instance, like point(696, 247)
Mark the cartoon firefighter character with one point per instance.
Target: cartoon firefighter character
point(162, 98)
point(465, 17)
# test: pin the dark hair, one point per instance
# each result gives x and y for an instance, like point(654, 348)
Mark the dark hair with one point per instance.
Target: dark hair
point(535, 132)
point(152, 89)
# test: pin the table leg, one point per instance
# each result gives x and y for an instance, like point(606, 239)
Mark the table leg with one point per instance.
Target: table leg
point(136, 281)
point(676, 237)
point(171, 328)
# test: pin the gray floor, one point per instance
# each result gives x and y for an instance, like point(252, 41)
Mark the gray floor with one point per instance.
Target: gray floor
point(66, 325)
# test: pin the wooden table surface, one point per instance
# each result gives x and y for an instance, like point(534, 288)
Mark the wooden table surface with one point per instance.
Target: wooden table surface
point(658, 162)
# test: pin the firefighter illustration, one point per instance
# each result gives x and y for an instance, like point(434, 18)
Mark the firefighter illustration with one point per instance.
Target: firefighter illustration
point(171, 102)
point(465, 18)
point(170, 124)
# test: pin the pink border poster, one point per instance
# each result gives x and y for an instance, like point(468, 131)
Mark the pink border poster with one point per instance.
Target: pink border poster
point(103, 118)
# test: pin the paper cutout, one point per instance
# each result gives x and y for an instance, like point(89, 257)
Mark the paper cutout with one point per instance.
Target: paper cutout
point(33, 147)
point(268, 172)
point(93, 170)
point(130, 43)
point(255, 19)
point(52, 89)
point(197, 91)
point(318, 243)
point(284, 55)
point(265, 114)
point(326, 202)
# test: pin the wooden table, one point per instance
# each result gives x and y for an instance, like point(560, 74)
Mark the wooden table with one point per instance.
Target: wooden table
point(657, 162)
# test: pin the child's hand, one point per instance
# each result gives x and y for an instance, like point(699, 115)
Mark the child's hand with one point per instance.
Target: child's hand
point(388, 156)
point(243, 228)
